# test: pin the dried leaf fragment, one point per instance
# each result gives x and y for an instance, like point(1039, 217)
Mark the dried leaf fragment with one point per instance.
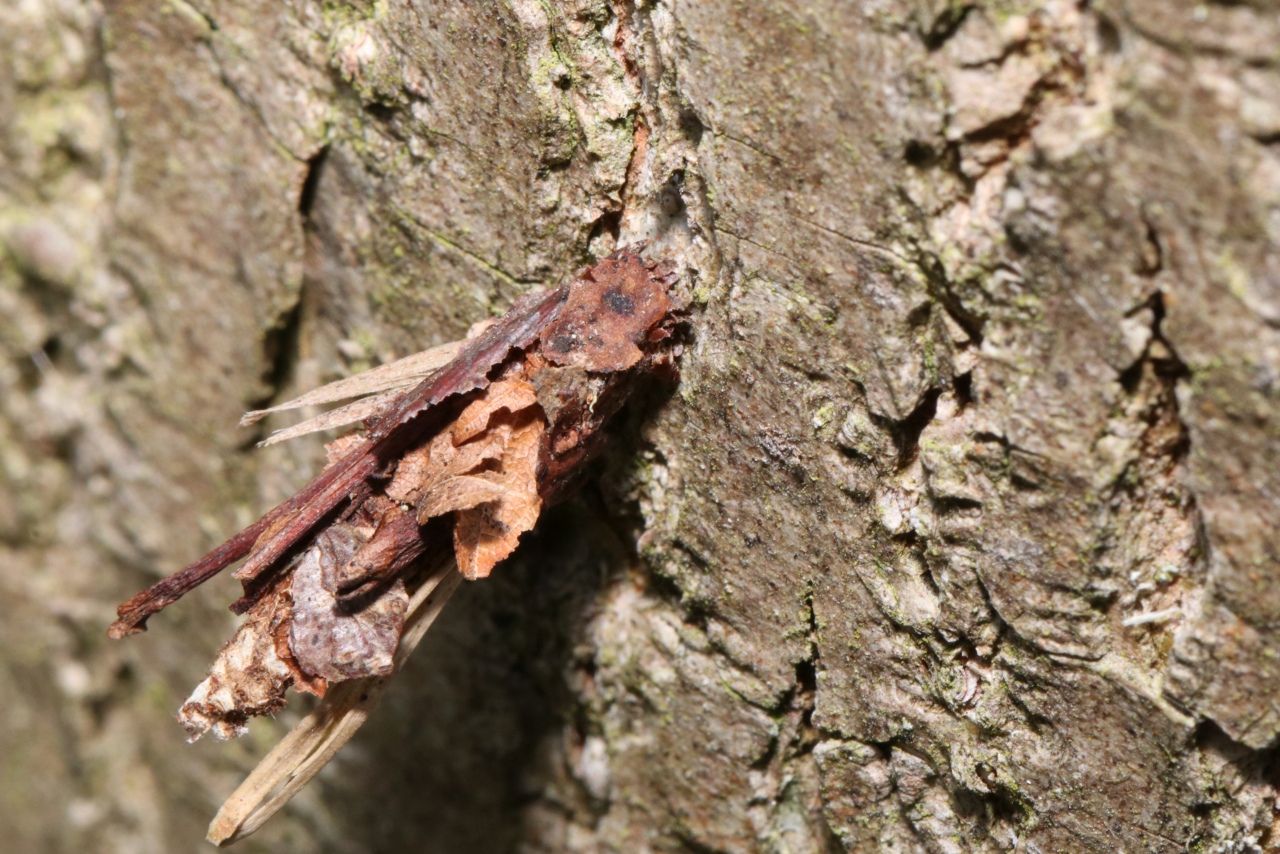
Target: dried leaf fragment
point(487, 532)
point(484, 470)
point(513, 395)
point(248, 677)
point(326, 640)
point(307, 748)
point(610, 312)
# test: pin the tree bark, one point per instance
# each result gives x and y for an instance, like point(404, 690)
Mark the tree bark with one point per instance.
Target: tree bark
point(958, 534)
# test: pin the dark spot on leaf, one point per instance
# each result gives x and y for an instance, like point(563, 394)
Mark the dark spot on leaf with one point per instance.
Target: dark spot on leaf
point(606, 316)
point(618, 302)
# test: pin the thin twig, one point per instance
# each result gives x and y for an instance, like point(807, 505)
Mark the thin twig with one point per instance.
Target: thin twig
point(311, 744)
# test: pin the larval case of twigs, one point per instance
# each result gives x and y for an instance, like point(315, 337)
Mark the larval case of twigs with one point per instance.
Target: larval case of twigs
point(466, 443)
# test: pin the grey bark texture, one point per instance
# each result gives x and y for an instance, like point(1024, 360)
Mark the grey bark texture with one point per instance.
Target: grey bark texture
point(958, 534)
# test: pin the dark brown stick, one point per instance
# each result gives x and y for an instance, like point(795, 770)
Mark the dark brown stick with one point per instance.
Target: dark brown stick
point(516, 329)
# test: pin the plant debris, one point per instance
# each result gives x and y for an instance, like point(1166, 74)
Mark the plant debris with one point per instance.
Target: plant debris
point(466, 441)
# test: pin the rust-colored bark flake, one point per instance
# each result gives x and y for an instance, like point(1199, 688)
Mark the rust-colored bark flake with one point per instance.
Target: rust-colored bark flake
point(610, 311)
point(395, 544)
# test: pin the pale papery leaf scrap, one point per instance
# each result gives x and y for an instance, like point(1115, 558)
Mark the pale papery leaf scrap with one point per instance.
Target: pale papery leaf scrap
point(360, 410)
point(377, 389)
point(248, 677)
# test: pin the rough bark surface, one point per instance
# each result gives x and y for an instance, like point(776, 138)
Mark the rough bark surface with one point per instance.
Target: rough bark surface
point(959, 533)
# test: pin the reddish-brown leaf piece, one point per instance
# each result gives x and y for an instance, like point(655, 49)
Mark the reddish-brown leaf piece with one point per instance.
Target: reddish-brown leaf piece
point(486, 533)
point(484, 470)
point(611, 310)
